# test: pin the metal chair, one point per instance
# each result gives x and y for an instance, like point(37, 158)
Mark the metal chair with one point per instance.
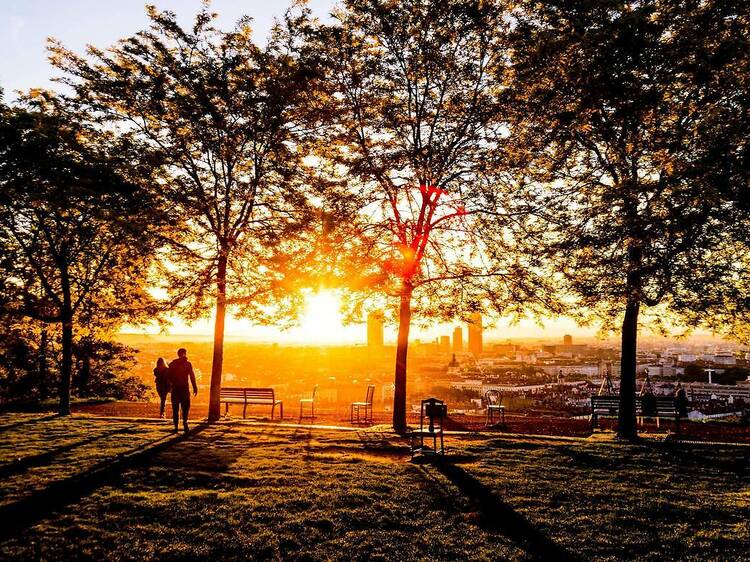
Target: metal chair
point(494, 399)
point(310, 401)
point(435, 411)
point(367, 405)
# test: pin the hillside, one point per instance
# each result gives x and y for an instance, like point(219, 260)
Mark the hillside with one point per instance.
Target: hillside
point(90, 488)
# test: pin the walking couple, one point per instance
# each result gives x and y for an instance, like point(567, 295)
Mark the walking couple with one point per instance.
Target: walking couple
point(174, 378)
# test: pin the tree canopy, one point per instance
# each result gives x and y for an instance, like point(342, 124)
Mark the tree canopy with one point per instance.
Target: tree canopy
point(77, 233)
point(217, 115)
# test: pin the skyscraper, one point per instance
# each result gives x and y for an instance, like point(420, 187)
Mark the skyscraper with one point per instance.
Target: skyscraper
point(458, 340)
point(567, 340)
point(375, 330)
point(475, 334)
point(445, 344)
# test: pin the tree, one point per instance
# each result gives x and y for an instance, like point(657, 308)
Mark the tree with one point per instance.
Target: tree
point(416, 142)
point(619, 104)
point(21, 372)
point(74, 229)
point(217, 114)
point(103, 370)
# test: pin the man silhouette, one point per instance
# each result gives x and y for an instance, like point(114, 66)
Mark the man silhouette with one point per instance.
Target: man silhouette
point(180, 370)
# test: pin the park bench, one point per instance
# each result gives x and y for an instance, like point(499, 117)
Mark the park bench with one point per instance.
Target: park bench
point(657, 407)
point(250, 396)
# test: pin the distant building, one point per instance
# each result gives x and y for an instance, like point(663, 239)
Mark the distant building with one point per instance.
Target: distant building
point(458, 340)
point(475, 334)
point(526, 357)
point(375, 330)
point(567, 340)
point(566, 350)
point(468, 384)
point(725, 359)
point(507, 349)
point(588, 370)
point(653, 370)
point(387, 391)
point(705, 392)
point(445, 344)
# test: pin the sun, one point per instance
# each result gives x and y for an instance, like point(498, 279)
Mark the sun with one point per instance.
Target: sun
point(322, 309)
point(322, 321)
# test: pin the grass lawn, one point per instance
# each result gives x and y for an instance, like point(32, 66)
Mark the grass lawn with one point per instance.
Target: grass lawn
point(88, 489)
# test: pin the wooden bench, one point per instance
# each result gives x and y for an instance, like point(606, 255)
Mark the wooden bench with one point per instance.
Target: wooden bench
point(660, 407)
point(250, 396)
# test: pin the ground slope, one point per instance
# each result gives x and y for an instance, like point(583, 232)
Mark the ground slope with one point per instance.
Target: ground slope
point(85, 489)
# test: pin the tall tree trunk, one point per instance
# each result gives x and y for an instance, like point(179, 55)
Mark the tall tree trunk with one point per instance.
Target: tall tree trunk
point(626, 426)
point(43, 389)
point(402, 347)
point(66, 368)
point(214, 406)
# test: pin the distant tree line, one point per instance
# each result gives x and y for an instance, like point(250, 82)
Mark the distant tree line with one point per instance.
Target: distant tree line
point(433, 158)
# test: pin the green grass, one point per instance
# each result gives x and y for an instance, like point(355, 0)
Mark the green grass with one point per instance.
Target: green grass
point(235, 492)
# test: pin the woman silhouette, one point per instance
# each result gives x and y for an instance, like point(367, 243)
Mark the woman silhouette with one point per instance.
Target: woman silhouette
point(161, 376)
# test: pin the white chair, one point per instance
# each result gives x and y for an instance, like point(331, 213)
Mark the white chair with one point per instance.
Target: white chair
point(310, 401)
point(494, 399)
point(357, 407)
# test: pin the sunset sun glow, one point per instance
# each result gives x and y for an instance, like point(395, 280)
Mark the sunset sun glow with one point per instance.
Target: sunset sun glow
point(321, 320)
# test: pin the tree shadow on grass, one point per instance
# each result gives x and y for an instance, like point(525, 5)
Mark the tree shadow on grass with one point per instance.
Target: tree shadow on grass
point(9, 426)
point(498, 516)
point(514, 445)
point(701, 457)
point(586, 459)
point(37, 506)
point(678, 457)
point(207, 453)
point(385, 443)
point(24, 463)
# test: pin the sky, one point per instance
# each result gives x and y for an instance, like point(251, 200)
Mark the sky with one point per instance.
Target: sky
point(25, 26)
